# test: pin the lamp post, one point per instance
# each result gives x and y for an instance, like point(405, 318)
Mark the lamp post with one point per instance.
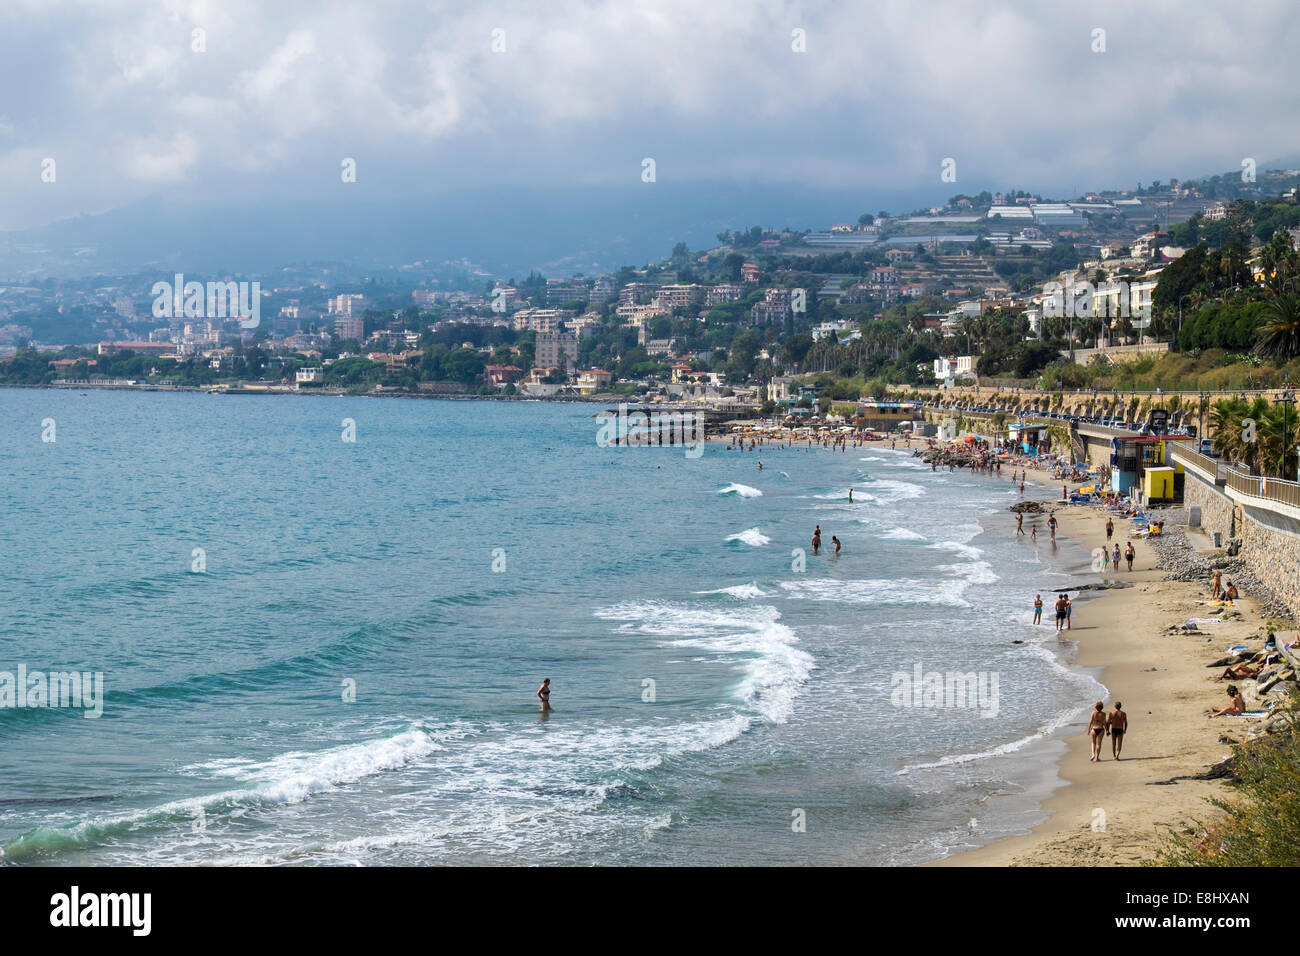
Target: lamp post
point(1286, 400)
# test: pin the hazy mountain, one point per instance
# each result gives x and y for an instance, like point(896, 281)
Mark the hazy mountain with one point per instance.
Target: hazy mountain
point(505, 232)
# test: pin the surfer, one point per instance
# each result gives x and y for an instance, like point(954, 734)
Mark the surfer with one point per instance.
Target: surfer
point(544, 694)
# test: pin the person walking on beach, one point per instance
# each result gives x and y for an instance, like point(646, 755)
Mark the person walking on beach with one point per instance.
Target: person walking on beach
point(1114, 556)
point(1128, 555)
point(1038, 609)
point(1097, 729)
point(1069, 610)
point(1033, 532)
point(1105, 560)
point(1110, 529)
point(1216, 584)
point(1051, 526)
point(1118, 721)
point(1020, 523)
point(1060, 613)
point(544, 694)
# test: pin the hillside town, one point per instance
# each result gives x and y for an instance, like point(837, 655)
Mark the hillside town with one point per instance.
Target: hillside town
point(985, 286)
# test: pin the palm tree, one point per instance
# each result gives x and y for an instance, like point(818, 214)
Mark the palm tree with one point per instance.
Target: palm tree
point(1279, 334)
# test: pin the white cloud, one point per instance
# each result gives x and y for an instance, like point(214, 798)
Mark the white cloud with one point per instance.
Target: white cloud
point(884, 92)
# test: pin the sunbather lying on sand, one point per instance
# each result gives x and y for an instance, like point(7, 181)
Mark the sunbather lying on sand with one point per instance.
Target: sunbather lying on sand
point(1241, 671)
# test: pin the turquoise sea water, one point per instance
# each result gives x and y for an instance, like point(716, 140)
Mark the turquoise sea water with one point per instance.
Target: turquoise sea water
point(713, 705)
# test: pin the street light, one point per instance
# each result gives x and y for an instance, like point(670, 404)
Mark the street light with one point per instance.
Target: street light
point(1286, 399)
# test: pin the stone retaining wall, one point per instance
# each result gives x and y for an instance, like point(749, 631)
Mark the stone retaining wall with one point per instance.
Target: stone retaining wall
point(1271, 554)
point(1216, 507)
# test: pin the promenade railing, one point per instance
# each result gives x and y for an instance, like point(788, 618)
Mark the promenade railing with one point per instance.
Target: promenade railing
point(1262, 486)
point(1179, 451)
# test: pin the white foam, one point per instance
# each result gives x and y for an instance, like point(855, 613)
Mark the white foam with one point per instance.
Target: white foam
point(902, 591)
point(745, 592)
point(1053, 724)
point(752, 637)
point(902, 534)
point(889, 491)
point(744, 491)
point(752, 537)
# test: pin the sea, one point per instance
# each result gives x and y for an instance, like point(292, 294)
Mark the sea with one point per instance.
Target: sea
point(321, 623)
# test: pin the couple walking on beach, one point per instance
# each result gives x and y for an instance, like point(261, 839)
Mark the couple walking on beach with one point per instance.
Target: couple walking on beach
point(1113, 725)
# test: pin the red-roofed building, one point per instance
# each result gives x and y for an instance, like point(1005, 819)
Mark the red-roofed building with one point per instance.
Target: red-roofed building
point(498, 375)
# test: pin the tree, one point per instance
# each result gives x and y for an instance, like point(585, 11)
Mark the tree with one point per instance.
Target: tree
point(1280, 330)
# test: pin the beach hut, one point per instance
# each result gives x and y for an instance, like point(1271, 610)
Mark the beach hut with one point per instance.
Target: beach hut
point(1158, 484)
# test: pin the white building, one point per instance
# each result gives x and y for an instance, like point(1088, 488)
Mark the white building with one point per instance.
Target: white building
point(960, 366)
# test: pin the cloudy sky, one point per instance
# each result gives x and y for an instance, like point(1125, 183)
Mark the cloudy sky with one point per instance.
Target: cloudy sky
point(281, 93)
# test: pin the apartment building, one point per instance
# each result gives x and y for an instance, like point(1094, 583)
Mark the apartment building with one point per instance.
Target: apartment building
point(555, 349)
point(346, 304)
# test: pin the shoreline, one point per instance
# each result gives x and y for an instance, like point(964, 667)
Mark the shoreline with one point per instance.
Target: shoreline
point(1119, 813)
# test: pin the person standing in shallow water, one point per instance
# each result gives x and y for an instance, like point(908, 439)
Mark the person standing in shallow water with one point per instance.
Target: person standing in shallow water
point(544, 694)
point(817, 539)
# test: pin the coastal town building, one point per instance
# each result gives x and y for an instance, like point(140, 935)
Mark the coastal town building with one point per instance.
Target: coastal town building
point(350, 327)
point(772, 310)
point(346, 304)
point(958, 366)
point(676, 296)
point(556, 349)
point(541, 320)
point(592, 380)
point(723, 292)
point(499, 375)
point(562, 292)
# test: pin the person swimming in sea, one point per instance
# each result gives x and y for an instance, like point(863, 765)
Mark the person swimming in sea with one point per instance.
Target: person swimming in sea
point(544, 694)
point(836, 541)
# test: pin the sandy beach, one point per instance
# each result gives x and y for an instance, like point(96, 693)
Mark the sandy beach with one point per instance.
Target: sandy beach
point(1118, 813)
